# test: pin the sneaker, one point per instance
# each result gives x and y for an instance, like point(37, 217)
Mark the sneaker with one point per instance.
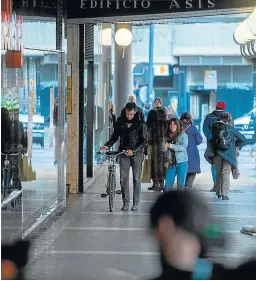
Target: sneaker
point(125, 208)
point(135, 207)
point(225, 197)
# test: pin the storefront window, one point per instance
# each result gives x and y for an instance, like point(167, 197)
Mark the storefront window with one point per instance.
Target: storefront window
point(100, 95)
point(32, 109)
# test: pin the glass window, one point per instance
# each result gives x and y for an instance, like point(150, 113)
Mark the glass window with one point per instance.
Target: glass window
point(30, 109)
point(194, 106)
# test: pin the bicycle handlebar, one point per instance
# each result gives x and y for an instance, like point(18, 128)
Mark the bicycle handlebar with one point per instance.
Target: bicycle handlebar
point(112, 153)
point(11, 154)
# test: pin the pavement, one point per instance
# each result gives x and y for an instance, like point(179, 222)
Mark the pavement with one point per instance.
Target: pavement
point(89, 242)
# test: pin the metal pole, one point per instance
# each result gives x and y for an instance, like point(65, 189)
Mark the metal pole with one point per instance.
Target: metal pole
point(151, 60)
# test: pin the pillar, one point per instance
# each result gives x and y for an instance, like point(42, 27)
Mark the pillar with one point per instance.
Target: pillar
point(254, 92)
point(123, 79)
point(72, 168)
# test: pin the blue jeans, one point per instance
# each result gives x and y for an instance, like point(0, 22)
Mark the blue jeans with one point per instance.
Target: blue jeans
point(213, 174)
point(181, 171)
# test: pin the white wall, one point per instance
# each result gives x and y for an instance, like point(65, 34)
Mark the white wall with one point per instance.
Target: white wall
point(162, 44)
point(205, 39)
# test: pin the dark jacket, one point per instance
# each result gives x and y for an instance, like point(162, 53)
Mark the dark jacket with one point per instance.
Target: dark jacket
point(237, 141)
point(210, 119)
point(134, 137)
point(6, 133)
point(246, 271)
point(139, 110)
point(194, 139)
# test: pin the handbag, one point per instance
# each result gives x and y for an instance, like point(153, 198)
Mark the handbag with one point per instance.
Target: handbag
point(170, 158)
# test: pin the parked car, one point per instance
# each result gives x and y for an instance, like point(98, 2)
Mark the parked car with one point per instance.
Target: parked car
point(38, 127)
point(246, 124)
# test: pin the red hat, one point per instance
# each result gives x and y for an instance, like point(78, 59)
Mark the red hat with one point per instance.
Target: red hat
point(221, 105)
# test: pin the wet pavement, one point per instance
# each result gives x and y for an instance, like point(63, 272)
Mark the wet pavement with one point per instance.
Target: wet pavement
point(89, 242)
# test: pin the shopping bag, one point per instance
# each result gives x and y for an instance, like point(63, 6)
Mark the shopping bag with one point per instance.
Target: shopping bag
point(24, 169)
point(146, 171)
point(31, 174)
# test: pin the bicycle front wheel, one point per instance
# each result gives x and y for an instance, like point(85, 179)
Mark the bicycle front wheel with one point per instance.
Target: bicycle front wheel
point(111, 196)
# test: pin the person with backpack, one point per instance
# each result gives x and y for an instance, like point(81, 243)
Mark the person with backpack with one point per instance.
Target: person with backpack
point(225, 142)
point(194, 139)
point(210, 119)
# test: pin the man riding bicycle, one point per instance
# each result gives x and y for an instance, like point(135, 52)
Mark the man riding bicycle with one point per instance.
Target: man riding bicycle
point(132, 132)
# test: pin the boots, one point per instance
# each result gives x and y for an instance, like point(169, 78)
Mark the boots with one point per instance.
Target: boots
point(154, 186)
point(160, 187)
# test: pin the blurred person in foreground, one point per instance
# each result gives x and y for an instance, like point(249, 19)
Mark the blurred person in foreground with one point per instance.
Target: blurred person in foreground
point(186, 231)
point(14, 258)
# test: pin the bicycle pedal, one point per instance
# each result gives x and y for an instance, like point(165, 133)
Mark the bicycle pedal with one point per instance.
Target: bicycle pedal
point(103, 195)
point(118, 191)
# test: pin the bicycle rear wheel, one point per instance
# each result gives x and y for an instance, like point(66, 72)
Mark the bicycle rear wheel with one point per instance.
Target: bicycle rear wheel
point(111, 196)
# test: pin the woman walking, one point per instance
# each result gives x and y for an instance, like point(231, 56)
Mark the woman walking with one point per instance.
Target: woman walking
point(226, 139)
point(112, 118)
point(157, 126)
point(194, 139)
point(176, 155)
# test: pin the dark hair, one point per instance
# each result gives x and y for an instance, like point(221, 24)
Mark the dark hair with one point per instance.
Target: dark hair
point(179, 126)
point(130, 106)
point(186, 116)
point(189, 211)
point(226, 117)
point(159, 99)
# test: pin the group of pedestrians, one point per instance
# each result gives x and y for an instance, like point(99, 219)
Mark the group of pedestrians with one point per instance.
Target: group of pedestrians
point(172, 147)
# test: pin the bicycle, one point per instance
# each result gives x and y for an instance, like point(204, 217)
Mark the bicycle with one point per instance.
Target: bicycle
point(7, 188)
point(111, 179)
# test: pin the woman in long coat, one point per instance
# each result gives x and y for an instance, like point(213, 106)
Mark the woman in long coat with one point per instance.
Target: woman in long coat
point(157, 126)
point(194, 139)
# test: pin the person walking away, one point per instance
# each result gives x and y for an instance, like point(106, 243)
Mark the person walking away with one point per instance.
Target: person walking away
point(132, 132)
point(210, 119)
point(225, 141)
point(6, 134)
point(19, 145)
point(157, 127)
point(176, 155)
point(194, 139)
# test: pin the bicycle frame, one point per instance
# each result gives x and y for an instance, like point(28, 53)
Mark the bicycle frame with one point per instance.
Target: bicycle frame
point(111, 178)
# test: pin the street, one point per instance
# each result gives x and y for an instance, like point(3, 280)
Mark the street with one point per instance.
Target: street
point(89, 242)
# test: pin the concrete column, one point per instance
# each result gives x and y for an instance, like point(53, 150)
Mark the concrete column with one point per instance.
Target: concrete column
point(254, 90)
point(123, 80)
point(72, 168)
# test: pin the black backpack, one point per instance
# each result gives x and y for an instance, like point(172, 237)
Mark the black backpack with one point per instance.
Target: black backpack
point(224, 139)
